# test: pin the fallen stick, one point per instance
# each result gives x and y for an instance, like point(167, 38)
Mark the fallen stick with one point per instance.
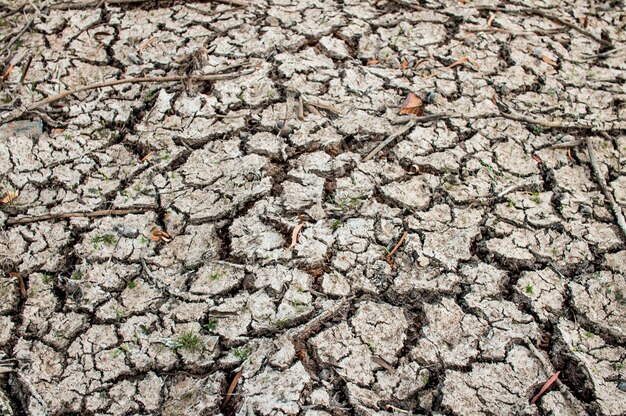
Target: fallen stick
point(317, 322)
point(402, 130)
point(617, 211)
point(545, 387)
point(514, 32)
point(547, 15)
point(19, 112)
point(607, 53)
point(66, 215)
point(397, 246)
point(537, 121)
point(71, 5)
point(17, 36)
point(565, 145)
point(461, 61)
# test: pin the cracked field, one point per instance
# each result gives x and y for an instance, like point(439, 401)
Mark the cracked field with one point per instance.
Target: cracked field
point(315, 207)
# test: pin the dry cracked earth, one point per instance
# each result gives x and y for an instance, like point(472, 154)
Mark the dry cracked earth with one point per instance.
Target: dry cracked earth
point(162, 243)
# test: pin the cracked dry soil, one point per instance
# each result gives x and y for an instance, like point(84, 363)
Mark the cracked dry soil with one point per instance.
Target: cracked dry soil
point(512, 267)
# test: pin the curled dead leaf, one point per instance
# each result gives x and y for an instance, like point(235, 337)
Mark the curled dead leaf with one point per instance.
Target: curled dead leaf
point(373, 62)
point(412, 105)
point(294, 236)
point(157, 235)
point(10, 196)
point(231, 389)
point(548, 60)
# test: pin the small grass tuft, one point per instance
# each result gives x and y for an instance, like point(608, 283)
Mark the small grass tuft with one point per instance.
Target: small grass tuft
point(211, 324)
point(536, 198)
point(106, 239)
point(530, 289)
point(242, 353)
point(280, 324)
point(190, 341)
point(216, 275)
point(510, 203)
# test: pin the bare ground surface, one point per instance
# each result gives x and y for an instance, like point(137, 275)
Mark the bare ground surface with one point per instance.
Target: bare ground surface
point(512, 263)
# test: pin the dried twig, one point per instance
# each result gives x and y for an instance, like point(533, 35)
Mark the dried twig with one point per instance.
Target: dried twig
point(607, 53)
point(402, 130)
point(565, 145)
point(317, 322)
point(537, 121)
point(20, 282)
point(300, 108)
point(25, 70)
point(17, 36)
point(546, 386)
point(547, 15)
point(617, 211)
point(397, 246)
point(19, 112)
point(327, 107)
point(66, 215)
point(461, 61)
point(409, 5)
point(71, 5)
point(514, 32)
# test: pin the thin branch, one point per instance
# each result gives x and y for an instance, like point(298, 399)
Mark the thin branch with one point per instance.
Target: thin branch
point(397, 246)
point(537, 121)
point(316, 323)
point(19, 112)
point(565, 145)
point(71, 6)
point(402, 130)
point(18, 36)
point(540, 32)
point(564, 124)
point(547, 15)
point(66, 215)
point(617, 211)
point(607, 53)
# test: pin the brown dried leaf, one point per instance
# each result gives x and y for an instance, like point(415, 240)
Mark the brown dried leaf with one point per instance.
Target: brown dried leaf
point(548, 61)
point(373, 62)
point(294, 236)
point(412, 105)
point(404, 65)
point(157, 235)
point(10, 196)
point(231, 389)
